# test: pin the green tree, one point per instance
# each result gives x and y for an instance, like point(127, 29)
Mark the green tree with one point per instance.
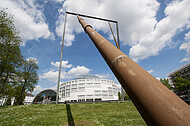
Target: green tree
point(10, 53)
point(180, 83)
point(166, 83)
point(126, 97)
point(27, 79)
point(119, 96)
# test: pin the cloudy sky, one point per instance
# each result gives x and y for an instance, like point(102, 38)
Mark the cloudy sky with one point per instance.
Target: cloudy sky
point(156, 34)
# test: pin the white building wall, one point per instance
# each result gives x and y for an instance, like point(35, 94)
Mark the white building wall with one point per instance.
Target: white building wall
point(28, 100)
point(88, 89)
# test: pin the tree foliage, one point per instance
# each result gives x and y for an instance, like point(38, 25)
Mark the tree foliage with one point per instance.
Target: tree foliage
point(180, 83)
point(166, 83)
point(10, 53)
point(27, 79)
point(16, 74)
point(126, 97)
point(119, 96)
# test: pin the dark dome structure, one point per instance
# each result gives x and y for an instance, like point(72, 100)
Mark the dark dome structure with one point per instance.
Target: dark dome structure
point(51, 94)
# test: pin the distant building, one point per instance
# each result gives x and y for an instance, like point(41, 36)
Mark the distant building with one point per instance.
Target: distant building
point(28, 99)
point(2, 100)
point(88, 88)
point(184, 71)
point(45, 97)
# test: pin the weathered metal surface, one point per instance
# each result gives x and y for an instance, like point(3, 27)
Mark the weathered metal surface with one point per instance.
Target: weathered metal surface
point(155, 102)
point(113, 35)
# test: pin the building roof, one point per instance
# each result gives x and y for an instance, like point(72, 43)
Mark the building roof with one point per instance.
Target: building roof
point(87, 76)
point(179, 69)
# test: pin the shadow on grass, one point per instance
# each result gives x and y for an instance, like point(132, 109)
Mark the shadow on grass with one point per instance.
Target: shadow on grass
point(69, 116)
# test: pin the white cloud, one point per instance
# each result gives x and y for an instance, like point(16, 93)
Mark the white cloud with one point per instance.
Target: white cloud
point(158, 78)
point(137, 22)
point(37, 89)
point(58, 1)
point(133, 24)
point(74, 72)
point(52, 75)
point(151, 71)
point(64, 64)
point(69, 36)
point(186, 46)
point(103, 76)
point(152, 43)
point(29, 18)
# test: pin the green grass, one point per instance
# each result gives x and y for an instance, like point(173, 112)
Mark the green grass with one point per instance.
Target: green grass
point(98, 114)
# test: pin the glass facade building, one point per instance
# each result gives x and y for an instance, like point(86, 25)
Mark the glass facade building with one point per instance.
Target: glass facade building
point(51, 94)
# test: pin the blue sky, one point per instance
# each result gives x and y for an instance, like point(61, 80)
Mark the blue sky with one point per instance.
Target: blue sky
point(153, 33)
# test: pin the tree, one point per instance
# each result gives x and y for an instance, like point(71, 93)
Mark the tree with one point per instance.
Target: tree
point(180, 83)
point(10, 53)
point(119, 96)
point(166, 83)
point(126, 97)
point(27, 79)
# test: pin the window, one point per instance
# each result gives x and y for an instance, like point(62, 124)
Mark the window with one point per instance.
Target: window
point(110, 96)
point(89, 96)
point(68, 87)
point(104, 96)
point(89, 84)
point(114, 92)
point(73, 89)
point(81, 89)
point(63, 94)
point(74, 86)
point(81, 85)
point(104, 92)
point(97, 84)
point(97, 91)
point(109, 88)
point(67, 92)
point(81, 96)
point(97, 95)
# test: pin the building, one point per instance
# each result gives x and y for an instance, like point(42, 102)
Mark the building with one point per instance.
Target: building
point(184, 71)
point(28, 99)
point(44, 96)
point(88, 88)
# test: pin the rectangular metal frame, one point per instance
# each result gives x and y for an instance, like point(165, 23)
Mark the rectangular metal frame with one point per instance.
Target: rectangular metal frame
point(82, 15)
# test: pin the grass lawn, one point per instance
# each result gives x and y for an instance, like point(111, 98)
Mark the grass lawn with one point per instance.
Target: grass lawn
point(98, 114)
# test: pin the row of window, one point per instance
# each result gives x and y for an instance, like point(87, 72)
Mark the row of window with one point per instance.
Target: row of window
point(83, 85)
point(66, 93)
point(87, 80)
point(95, 96)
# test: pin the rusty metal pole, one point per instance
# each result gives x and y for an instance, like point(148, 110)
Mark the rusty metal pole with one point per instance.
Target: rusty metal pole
point(156, 103)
